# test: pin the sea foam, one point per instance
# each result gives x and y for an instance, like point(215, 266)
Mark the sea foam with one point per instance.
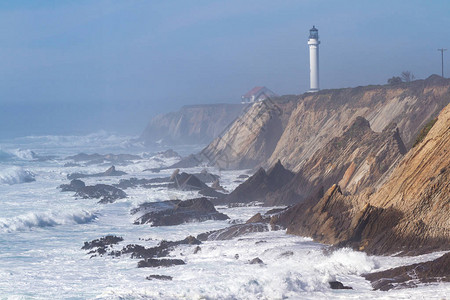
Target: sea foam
point(15, 175)
point(45, 219)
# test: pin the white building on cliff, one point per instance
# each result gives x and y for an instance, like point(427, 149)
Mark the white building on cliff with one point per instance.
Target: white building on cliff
point(258, 93)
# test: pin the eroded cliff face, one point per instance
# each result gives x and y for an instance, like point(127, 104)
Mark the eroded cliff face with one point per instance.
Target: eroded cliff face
point(253, 137)
point(360, 158)
point(294, 129)
point(194, 124)
point(410, 213)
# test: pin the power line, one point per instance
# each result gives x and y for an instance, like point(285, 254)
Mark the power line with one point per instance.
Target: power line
point(442, 58)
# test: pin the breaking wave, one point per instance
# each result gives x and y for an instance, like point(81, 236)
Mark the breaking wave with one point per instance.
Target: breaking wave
point(15, 175)
point(45, 219)
point(21, 154)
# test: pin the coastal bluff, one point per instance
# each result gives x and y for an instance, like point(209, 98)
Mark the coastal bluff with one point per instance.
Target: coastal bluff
point(293, 128)
point(192, 124)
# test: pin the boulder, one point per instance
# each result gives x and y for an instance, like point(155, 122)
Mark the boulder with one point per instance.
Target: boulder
point(337, 285)
point(256, 187)
point(175, 212)
point(107, 193)
point(164, 262)
point(73, 186)
point(159, 277)
point(256, 261)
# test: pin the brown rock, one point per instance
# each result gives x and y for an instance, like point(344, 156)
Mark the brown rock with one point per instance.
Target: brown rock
point(437, 270)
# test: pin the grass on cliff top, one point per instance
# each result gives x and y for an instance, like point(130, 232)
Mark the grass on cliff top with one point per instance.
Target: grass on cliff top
point(423, 133)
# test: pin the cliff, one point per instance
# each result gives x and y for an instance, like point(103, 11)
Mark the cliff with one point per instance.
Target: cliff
point(358, 159)
point(293, 128)
point(409, 213)
point(194, 124)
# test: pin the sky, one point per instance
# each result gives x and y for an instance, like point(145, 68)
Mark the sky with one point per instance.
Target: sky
point(76, 67)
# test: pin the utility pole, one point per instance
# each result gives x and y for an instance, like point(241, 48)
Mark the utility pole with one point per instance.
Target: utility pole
point(442, 58)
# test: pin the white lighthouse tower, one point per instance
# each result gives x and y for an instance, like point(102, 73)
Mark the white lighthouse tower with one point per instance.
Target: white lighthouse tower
point(313, 43)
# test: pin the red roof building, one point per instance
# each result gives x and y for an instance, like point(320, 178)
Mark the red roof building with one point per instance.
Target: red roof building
point(258, 93)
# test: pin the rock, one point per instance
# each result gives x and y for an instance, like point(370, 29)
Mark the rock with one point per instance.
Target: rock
point(216, 186)
point(258, 218)
point(110, 172)
point(163, 249)
point(101, 244)
point(144, 183)
point(107, 193)
point(169, 153)
point(154, 263)
point(197, 249)
point(175, 212)
point(209, 192)
point(256, 261)
point(337, 285)
point(409, 276)
point(187, 182)
point(260, 184)
point(159, 277)
point(233, 231)
point(73, 186)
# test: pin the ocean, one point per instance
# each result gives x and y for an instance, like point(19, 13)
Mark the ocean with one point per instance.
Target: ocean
point(43, 229)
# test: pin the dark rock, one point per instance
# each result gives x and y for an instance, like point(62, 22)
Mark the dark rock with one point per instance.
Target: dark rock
point(256, 261)
point(175, 212)
point(258, 218)
point(260, 184)
point(197, 249)
point(107, 193)
point(101, 244)
point(187, 182)
point(286, 254)
point(186, 162)
point(110, 172)
point(210, 192)
point(165, 262)
point(243, 176)
point(233, 231)
point(73, 186)
point(437, 270)
point(170, 153)
point(163, 249)
point(159, 277)
point(144, 183)
point(337, 285)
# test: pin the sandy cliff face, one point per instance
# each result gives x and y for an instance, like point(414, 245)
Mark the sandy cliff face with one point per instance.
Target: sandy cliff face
point(292, 130)
point(195, 124)
point(410, 212)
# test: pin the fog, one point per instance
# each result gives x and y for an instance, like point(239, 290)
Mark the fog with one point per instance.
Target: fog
point(80, 66)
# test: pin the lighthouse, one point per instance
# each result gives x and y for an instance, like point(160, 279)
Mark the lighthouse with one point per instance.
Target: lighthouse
point(313, 43)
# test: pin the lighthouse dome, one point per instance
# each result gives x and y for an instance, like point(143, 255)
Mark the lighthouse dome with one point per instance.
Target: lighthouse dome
point(314, 33)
